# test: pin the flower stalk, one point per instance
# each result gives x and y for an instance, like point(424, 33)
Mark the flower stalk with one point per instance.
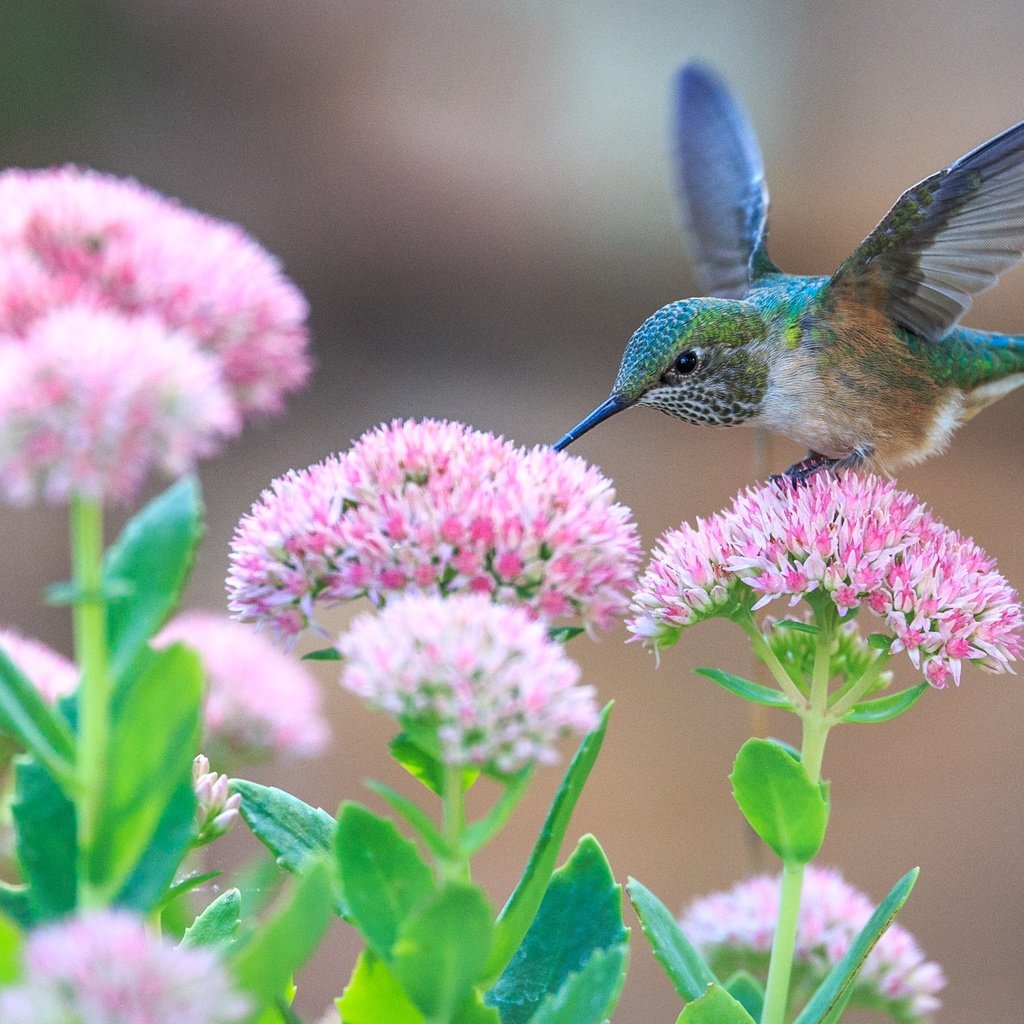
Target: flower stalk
point(90, 627)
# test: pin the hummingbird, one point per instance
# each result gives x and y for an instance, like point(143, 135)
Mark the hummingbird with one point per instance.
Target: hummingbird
point(867, 367)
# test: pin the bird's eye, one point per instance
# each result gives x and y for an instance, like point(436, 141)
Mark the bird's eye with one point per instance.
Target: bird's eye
point(686, 362)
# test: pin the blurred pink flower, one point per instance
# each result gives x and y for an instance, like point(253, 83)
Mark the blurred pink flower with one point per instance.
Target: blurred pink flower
point(485, 679)
point(91, 401)
point(735, 928)
point(259, 702)
point(106, 968)
point(435, 507)
point(857, 540)
point(69, 235)
point(53, 675)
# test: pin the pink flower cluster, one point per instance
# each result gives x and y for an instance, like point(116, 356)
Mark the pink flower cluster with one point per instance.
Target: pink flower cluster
point(133, 333)
point(857, 540)
point(106, 968)
point(483, 678)
point(53, 675)
point(217, 808)
point(435, 507)
point(259, 702)
point(741, 921)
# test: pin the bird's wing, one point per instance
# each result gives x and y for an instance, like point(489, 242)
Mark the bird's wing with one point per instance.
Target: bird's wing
point(946, 240)
point(721, 183)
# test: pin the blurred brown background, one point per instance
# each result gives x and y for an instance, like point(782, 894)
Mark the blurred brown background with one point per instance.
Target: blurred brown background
point(475, 198)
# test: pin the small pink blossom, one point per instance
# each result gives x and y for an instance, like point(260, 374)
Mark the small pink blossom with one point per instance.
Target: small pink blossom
point(217, 808)
point(106, 968)
point(435, 507)
point(738, 926)
point(483, 678)
point(259, 702)
point(53, 675)
point(91, 401)
point(858, 541)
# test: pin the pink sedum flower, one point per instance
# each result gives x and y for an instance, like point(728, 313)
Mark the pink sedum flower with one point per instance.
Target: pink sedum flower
point(217, 808)
point(69, 235)
point(53, 675)
point(859, 541)
point(106, 968)
point(435, 507)
point(484, 679)
point(258, 702)
point(91, 402)
point(735, 928)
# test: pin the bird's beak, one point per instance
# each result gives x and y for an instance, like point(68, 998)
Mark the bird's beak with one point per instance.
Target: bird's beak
point(602, 412)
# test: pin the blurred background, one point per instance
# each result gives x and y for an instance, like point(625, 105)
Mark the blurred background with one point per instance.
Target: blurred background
point(475, 198)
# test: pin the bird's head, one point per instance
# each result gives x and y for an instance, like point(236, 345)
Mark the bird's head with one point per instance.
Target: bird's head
point(701, 360)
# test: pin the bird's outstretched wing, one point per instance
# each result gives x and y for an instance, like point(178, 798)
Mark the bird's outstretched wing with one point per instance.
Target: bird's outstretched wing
point(946, 240)
point(721, 183)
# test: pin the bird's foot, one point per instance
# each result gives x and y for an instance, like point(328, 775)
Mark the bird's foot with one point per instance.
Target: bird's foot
point(814, 463)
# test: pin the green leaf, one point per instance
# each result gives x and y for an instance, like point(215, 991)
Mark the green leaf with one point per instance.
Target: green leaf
point(382, 876)
point(415, 816)
point(323, 654)
point(519, 911)
point(797, 626)
point(588, 996)
point(881, 641)
point(186, 885)
point(784, 807)
point(218, 924)
point(294, 832)
point(423, 766)
point(716, 1006)
point(442, 948)
point(16, 903)
point(685, 967)
point(26, 717)
point(580, 914)
point(373, 996)
point(11, 941)
point(147, 887)
point(150, 561)
point(265, 964)
point(562, 634)
point(149, 771)
point(46, 841)
point(747, 991)
point(838, 980)
point(481, 832)
point(885, 708)
point(746, 689)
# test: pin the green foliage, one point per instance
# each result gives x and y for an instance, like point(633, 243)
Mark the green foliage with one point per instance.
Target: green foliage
point(519, 911)
point(148, 788)
point(581, 913)
point(218, 924)
point(381, 874)
point(27, 718)
point(422, 765)
point(588, 996)
point(745, 688)
point(295, 833)
point(45, 841)
point(747, 991)
point(149, 565)
point(716, 1006)
point(264, 964)
point(441, 950)
point(373, 995)
point(783, 806)
point(884, 709)
point(836, 988)
point(685, 967)
point(10, 950)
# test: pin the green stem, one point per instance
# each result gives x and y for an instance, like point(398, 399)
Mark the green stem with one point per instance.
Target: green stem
point(816, 724)
point(455, 868)
point(859, 687)
point(90, 626)
point(763, 651)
